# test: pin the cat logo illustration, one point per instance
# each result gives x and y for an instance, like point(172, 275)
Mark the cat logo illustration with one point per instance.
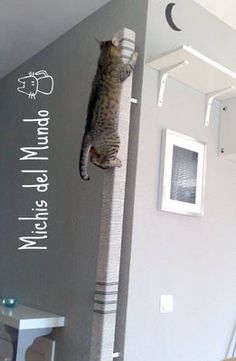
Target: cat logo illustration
point(34, 83)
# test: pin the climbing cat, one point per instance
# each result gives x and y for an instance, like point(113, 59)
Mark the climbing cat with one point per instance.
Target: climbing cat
point(101, 140)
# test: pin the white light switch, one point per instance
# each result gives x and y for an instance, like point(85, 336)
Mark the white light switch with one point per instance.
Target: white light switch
point(166, 303)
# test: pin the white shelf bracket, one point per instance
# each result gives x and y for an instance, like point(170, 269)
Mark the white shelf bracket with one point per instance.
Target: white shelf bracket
point(116, 355)
point(163, 78)
point(210, 100)
point(231, 352)
point(134, 100)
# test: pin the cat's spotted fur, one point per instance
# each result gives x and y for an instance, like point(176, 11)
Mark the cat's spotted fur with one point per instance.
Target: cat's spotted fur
point(101, 140)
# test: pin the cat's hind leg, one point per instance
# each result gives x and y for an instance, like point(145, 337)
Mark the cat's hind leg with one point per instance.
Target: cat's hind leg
point(110, 152)
point(95, 158)
point(111, 163)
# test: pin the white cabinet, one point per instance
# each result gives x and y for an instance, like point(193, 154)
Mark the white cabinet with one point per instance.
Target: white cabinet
point(26, 324)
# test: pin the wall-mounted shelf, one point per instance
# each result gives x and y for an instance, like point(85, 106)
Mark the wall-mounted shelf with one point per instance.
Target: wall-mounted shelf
point(197, 71)
point(29, 324)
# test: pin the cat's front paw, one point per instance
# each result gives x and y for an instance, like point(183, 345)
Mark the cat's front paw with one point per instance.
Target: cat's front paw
point(134, 57)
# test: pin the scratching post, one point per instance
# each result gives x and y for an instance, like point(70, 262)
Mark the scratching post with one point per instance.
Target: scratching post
point(108, 263)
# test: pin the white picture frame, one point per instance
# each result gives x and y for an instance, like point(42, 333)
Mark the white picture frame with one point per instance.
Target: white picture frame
point(182, 175)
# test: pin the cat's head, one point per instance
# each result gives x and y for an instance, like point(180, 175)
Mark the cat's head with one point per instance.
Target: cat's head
point(109, 49)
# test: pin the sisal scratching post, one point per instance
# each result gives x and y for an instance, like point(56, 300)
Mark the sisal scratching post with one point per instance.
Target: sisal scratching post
point(108, 263)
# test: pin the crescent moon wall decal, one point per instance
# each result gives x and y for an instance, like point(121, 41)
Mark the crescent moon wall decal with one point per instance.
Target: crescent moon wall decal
point(169, 17)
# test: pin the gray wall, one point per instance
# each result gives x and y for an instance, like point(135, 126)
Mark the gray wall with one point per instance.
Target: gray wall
point(61, 279)
point(190, 257)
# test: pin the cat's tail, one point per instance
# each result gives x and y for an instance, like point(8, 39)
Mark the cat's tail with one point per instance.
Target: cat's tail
point(84, 156)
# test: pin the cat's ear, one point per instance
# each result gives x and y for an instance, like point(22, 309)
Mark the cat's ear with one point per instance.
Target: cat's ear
point(100, 43)
point(115, 41)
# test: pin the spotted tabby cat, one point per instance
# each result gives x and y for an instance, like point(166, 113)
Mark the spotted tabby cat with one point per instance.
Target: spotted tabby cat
point(101, 140)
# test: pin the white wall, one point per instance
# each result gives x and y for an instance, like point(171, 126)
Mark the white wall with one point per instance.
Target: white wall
point(191, 258)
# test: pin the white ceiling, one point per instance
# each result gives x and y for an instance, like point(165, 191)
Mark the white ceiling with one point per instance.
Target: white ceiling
point(223, 9)
point(27, 26)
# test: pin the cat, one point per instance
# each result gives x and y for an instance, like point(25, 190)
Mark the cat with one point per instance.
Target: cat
point(101, 141)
